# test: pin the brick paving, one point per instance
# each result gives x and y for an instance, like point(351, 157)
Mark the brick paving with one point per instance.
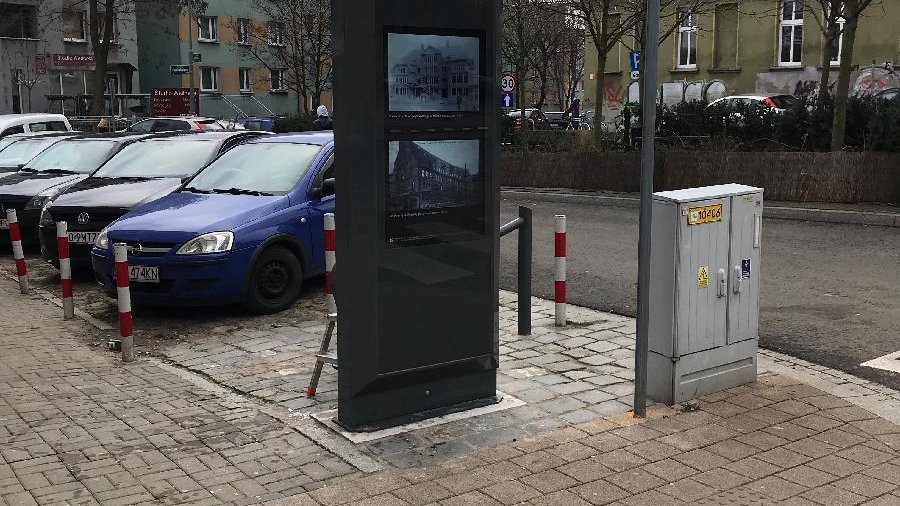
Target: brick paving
point(78, 427)
point(775, 442)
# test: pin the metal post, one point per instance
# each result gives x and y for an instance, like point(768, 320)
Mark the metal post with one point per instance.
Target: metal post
point(559, 295)
point(525, 272)
point(123, 297)
point(190, 10)
point(650, 62)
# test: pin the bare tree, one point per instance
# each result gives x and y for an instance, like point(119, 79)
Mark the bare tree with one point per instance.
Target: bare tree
point(568, 67)
point(102, 16)
point(853, 10)
point(827, 15)
point(297, 41)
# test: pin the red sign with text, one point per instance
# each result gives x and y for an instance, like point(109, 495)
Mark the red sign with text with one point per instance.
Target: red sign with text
point(173, 101)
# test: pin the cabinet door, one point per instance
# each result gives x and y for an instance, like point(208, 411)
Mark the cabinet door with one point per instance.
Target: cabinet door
point(701, 302)
point(744, 273)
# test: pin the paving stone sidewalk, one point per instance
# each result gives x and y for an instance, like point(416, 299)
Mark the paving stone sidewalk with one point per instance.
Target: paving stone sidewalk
point(777, 442)
point(77, 427)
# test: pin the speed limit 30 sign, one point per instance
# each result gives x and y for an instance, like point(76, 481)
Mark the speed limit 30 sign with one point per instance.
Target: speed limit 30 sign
point(508, 82)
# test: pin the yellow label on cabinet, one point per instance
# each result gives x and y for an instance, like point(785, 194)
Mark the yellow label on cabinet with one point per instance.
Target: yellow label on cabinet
point(703, 277)
point(704, 214)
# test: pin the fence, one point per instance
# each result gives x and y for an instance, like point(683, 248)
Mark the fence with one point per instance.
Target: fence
point(789, 176)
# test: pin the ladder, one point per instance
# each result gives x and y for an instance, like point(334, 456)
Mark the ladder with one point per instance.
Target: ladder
point(324, 356)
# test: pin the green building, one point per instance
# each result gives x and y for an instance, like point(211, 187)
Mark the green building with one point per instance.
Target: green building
point(231, 80)
point(748, 47)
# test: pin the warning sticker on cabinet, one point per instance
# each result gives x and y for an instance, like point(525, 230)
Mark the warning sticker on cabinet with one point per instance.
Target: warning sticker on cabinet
point(703, 277)
point(704, 214)
point(745, 268)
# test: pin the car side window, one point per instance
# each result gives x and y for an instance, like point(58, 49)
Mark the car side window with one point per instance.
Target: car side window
point(38, 127)
point(327, 172)
point(57, 126)
point(18, 129)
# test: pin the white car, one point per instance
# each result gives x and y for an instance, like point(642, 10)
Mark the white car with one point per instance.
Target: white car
point(780, 103)
point(11, 124)
point(182, 123)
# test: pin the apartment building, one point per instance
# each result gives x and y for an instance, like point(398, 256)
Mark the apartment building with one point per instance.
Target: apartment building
point(750, 46)
point(47, 62)
point(231, 78)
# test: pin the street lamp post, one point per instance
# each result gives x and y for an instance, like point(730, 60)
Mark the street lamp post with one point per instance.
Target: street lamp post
point(649, 64)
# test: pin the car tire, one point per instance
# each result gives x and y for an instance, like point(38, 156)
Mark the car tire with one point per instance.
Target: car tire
point(276, 279)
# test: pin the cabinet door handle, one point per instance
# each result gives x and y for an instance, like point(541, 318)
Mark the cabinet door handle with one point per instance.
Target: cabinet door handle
point(722, 283)
point(736, 282)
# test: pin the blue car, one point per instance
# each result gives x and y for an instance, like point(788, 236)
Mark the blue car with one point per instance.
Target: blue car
point(247, 228)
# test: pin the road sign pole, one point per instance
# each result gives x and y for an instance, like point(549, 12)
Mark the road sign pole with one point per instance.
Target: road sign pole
point(191, 57)
point(649, 56)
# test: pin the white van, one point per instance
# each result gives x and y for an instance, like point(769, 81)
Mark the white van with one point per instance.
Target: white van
point(27, 123)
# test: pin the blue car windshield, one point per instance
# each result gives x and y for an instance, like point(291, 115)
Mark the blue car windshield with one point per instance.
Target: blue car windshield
point(79, 156)
point(266, 168)
point(175, 158)
point(22, 151)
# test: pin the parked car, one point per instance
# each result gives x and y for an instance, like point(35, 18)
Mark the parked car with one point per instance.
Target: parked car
point(11, 124)
point(247, 228)
point(183, 123)
point(141, 172)
point(779, 103)
point(50, 173)
point(888, 94)
point(557, 119)
point(534, 117)
point(23, 147)
point(259, 123)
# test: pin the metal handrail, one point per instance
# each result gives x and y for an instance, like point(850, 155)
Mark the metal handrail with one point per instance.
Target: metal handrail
point(524, 225)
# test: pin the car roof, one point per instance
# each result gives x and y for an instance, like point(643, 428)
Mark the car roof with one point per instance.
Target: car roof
point(30, 116)
point(112, 135)
point(216, 135)
point(41, 135)
point(318, 138)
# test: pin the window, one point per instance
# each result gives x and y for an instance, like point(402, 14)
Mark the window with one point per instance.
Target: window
point(687, 40)
point(243, 31)
point(18, 21)
point(48, 126)
point(209, 29)
point(18, 129)
point(278, 83)
point(244, 77)
point(209, 78)
point(726, 37)
point(73, 26)
point(115, 27)
point(790, 46)
point(837, 45)
point(276, 33)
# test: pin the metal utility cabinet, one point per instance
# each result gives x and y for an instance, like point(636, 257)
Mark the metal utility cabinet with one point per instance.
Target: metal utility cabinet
point(704, 298)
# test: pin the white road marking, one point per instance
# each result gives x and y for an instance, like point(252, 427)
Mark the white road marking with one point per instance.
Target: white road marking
point(890, 362)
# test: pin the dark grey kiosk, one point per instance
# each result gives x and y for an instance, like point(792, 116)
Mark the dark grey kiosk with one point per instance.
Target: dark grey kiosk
point(416, 135)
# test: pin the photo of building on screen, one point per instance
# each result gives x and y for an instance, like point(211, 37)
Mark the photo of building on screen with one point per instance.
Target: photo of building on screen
point(433, 73)
point(426, 175)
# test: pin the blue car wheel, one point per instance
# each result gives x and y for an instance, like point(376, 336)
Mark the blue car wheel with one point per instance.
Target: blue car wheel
point(275, 281)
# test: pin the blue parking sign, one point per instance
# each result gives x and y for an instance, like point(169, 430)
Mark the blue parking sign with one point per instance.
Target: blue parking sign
point(635, 58)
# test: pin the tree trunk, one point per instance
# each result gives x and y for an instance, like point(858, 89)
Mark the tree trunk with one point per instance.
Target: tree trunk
point(839, 123)
point(826, 64)
point(598, 97)
point(100, 43)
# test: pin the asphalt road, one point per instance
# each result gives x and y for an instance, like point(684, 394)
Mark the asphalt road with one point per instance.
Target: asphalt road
point(830, 293)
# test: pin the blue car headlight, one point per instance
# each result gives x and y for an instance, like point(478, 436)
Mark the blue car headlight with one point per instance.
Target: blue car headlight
point(102, 241)
point(215, 242)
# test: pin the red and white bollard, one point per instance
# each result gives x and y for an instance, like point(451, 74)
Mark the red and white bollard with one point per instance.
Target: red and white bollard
point(560, 289)
point(124, 298)
point(18, 254)
point(65, 269)
point(330, 246)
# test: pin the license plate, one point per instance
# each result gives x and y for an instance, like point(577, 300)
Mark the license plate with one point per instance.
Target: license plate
point(4, 224)
point(83, 237)
point(705, 214)
point(143, 274)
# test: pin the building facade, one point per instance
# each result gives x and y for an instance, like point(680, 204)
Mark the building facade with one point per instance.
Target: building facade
point(750, 46)
point(231, 80)
point(47, 62)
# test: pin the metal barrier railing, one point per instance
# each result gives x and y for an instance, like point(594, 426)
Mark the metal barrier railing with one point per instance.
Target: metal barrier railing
point(524, 225)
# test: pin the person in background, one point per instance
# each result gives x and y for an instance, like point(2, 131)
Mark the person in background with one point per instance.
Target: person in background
point(574, 111)
point(323, 120)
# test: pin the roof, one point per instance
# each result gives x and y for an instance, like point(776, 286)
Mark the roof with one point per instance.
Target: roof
point(216, 135)
point(112, 135)
point(706, 192)
point(40, 135)
point(40, 115)
point(320, 138)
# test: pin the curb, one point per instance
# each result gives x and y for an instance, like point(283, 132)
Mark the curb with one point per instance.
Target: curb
point(780, 213)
